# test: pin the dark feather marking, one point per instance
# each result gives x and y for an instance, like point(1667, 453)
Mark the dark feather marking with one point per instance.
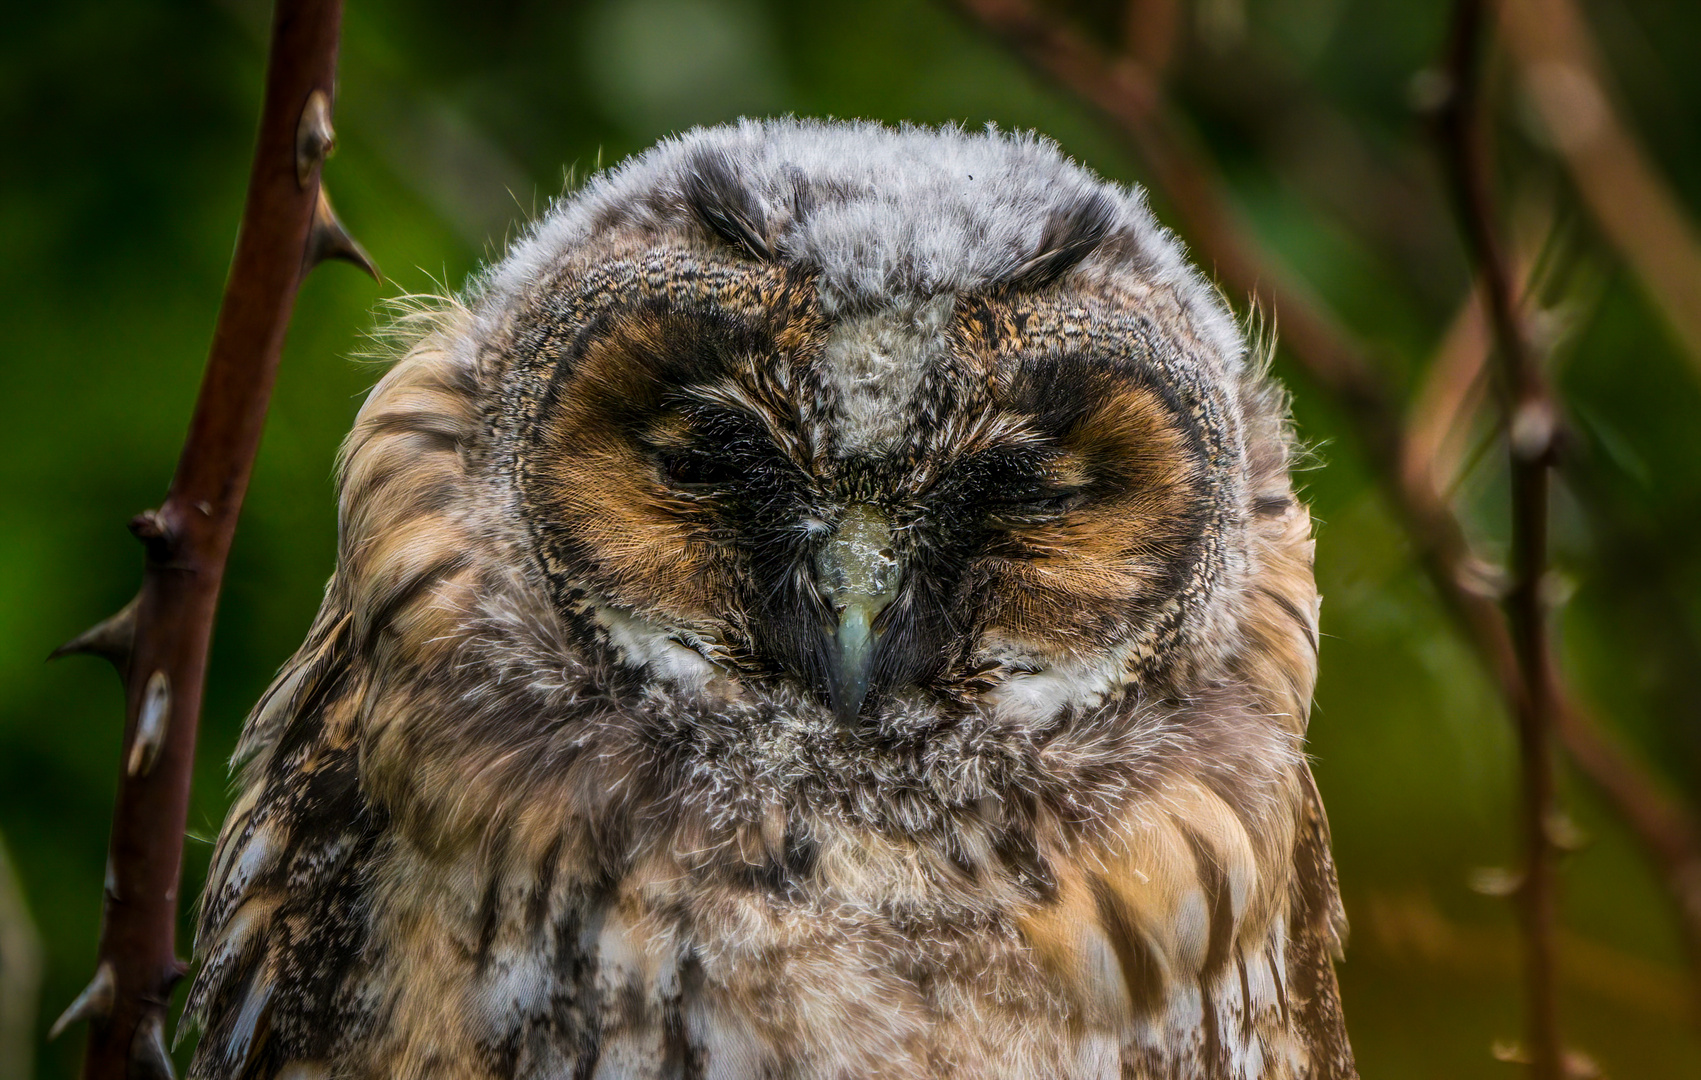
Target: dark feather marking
point(1213, 1055)
point(1246, 1012)
point(1293, 613)
point(713, 193)
point(957, 856)
point(387, 607)
point(537, 904)
point(306, 726)
point(682, 1059)
point(431, 497)
point(250, 1026)
point(1214, 881)
point(1070, 235)
point(1017, 850)
point(461, 380)
point(302, 680)
point(1281, 986)
point(433, 428)
point(1141, 973)
point(1271, 505)
point(489, 921)
point(1313, 935)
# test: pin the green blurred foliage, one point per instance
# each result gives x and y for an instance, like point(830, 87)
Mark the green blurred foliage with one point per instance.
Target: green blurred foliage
point(128, 127)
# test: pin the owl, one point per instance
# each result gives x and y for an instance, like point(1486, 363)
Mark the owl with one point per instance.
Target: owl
point(830, 603)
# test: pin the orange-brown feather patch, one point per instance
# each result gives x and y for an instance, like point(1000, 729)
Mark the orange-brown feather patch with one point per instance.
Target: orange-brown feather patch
point(1075, 577)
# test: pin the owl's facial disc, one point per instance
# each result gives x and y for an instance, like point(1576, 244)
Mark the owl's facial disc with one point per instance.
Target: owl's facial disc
point(1035, 524)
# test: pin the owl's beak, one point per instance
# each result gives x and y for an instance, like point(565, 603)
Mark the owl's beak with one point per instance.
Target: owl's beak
point(858, 574)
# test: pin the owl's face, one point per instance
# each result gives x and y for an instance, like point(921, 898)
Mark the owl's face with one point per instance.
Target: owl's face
point(1017, 496)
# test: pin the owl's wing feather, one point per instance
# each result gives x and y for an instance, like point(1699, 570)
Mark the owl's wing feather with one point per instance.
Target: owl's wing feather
point(1317, 928)
point(1200, 955)
point(285, 930)
point(280, 924)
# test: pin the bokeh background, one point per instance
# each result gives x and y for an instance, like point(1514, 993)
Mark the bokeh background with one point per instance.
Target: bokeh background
point(126, 130)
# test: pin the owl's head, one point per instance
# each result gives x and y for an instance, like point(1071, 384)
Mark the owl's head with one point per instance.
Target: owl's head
point(906, 421)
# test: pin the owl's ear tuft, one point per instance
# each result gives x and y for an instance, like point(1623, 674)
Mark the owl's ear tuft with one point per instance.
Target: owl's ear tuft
point(726, 207)
point(1071, 234)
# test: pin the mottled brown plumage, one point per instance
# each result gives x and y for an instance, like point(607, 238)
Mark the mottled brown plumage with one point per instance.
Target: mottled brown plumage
point(832, 603)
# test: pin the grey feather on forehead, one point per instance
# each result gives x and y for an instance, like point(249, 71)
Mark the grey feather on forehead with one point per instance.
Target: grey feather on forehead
point(878, 210)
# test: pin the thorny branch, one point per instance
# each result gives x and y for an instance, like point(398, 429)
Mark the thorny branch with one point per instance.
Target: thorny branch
point(1531, 428)
point(159, 640)
point(1129, 95)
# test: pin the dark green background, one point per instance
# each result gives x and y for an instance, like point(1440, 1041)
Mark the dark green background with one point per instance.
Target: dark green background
point(125, 132)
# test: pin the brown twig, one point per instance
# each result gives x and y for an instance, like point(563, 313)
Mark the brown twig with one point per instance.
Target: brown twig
point(1634, 207)
point(1450, 395)
point(1664, 826)
point(1130, 98)
point(1531, 426)
point(1410, 930)
point(1150, 31)
point(159, 641)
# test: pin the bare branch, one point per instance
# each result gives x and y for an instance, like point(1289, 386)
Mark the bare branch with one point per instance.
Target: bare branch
point(1409, 929)
point(160, 642)
point(1663, 825)
point(1452, 392)
point(1531, 426)
point(1151, 30)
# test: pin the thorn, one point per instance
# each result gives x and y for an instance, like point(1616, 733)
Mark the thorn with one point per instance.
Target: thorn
point(1429, 91)
point(110, 638)
point(1575, 1064)
point(1496, 881)
point(94, 1003)
point(1481, 578)
point(151, 528)
point(1534, 427)
point(314, 139)
point(148, 1054)
point(329, 240)
point(1556, 589)
point(1511, 1053)
point(150, 725)
point(1564, 833)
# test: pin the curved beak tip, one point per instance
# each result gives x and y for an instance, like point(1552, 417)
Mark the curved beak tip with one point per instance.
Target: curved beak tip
point(850, 663)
